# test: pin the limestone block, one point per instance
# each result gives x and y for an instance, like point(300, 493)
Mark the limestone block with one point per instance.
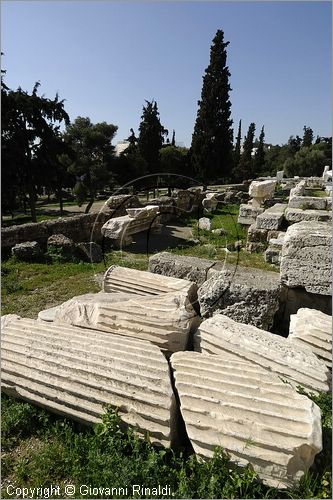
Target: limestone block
point(272, 218)
point(90, 251)
point(308, 202)
point(183, 201)
point(210, 202)
point(205, 223)
point(306, 257)
point(47, 315)
point(255, 247)
point(279, 175)
point(298, 190)
point(292, 363)
point(76, 372)
point(122, 228)
point(272, 256)
point(262, 189)
point(135, 213)
point(329, 203)
point(313, 329)
point(180, 266)
point(298, 215)
point(250, 413)
point(244, 294)
point(118, 204)
point(165, 320)
point(123, 279)
point(29, 251)
point(248, 214)
point(256, 235)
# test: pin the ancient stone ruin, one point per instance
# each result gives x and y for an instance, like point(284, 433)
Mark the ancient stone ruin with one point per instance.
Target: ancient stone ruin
point(130, 347)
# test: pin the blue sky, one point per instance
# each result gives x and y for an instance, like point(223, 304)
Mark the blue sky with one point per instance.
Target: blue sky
point(106, 58)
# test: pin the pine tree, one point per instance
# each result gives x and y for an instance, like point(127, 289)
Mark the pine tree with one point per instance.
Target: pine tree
point(245, 168)
point(237, 152)
point(212, 139)
point(151, 138)
point(259, 157)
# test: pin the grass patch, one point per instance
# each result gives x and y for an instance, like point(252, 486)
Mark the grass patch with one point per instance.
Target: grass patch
point(42, 449)
point(317, 193)
point(28, 288)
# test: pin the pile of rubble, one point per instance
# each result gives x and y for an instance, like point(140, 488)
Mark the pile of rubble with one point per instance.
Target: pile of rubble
point(143, 346)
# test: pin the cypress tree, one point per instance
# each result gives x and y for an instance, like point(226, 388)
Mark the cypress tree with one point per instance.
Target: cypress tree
point(212, 139)
point(307, 136)
point(259, 157)
point(173, 140)
point(245, 168)
point(237, 152)
point(151, 138)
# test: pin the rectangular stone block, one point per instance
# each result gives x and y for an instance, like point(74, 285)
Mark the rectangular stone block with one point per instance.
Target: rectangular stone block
point(308, 202)
point(294, 215)
point(248, 214)
point(307, 257)
point(272, 218)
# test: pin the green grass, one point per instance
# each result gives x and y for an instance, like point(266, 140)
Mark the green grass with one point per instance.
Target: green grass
point(28, 288)
point(212, 246)
point(317, 193)
point(41, 449)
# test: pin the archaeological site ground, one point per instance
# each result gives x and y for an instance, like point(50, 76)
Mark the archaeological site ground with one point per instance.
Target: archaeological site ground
point(171, 345)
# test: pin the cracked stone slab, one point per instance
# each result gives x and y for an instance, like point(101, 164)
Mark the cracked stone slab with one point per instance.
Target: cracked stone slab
point(294, 215)
point(250, 413)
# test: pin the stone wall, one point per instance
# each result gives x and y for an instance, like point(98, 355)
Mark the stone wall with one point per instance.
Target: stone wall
point(82, 227)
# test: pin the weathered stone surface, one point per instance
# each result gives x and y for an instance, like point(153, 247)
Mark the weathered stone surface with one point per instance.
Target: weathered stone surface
point(220, 231)
point(210, 202)
point(248, 214)
point(165, 320)
point(82, 227)
point(60, 241)
point(205, 223)
point(298, 190)
point(263, 190)
point(313, 329)
point(90, 252)
point(47, 315)
point(272, 218)
point(123, 279)
point(253, 247)
point(118, 204)
point(27, 251)
point(256, 235)
point(183, 201)
point(244, 294)
point(76, 372)
point(7, 318)
point(121, 229)
point(166, 206)
point(250, 413)
point(306, 257)
point(294, 215)
point(193, 269)
point(329, 203)
point(308, 202)
point(293, 363)
point(273, 256)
